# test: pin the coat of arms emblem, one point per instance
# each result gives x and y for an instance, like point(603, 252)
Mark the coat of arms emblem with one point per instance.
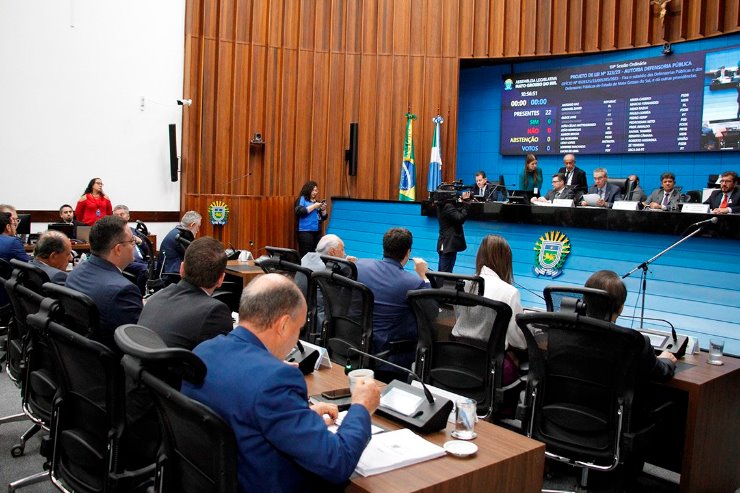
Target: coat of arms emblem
point(551, 251)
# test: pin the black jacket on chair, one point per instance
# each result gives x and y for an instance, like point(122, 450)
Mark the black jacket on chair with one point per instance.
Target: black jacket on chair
point(451, 218)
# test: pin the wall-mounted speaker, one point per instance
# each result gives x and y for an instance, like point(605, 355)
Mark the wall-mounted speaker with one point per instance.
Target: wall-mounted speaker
point(173, 152)
point(350, 154)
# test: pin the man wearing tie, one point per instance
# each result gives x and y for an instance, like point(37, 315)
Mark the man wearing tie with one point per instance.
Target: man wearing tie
point(666, 197)
point(138, 267)
point(726, 200)
point(607, 192)
point(483, 190)
point(559, 190)
point(575, 178)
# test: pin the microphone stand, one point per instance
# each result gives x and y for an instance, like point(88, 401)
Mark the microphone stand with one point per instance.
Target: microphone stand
point(644, 267)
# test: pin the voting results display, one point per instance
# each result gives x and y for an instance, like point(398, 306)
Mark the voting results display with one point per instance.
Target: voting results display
point(676, 103)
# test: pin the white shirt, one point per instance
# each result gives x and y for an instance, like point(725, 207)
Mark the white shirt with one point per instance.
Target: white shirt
point(497, 290)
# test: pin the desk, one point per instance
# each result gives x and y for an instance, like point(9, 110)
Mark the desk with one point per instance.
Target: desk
point(505, 460)
point(85, 247)
point(712, 436)
point(246, 271)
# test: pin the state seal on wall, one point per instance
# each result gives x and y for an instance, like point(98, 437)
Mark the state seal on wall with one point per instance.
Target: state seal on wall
point(218, 213)
point(551, 251)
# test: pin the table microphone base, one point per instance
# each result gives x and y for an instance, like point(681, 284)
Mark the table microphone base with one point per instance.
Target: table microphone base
point(429, 417)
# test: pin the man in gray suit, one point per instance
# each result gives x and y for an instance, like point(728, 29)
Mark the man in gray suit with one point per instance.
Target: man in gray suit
point(666, 197)
point(184, 314)
point(52, 254)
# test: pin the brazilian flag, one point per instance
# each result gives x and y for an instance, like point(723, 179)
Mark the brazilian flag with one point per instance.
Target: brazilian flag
point(407, 187)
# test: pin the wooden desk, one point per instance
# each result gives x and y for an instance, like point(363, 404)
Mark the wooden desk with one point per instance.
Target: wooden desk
point(85, 247)
point(505, 460)
point(712, 430)
point(246, 271)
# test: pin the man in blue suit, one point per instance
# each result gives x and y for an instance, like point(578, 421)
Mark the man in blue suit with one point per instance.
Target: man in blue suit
point(100, 277)
point(53, 253)
point(393, 319)
point(607, 192)
point(284, 445)
point(10, 246)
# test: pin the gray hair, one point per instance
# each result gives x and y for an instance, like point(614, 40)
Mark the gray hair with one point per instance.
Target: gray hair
point(328, 242)
point(50, 242)
point(6, 208)
point(267, 298)
point(602, 170)
point(190, 217)
point(121, 207)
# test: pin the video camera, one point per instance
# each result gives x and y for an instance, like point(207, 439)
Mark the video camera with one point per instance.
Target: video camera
point(449, 192)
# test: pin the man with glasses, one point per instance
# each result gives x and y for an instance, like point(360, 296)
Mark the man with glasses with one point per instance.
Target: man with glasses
point(101, 278)
point(559, 190)
point(607, 193)
point(575, 177)
point(726, 200)
point(10, 246)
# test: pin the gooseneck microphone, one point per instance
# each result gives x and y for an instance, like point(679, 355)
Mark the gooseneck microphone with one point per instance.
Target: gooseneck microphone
point(348, 368)
point(430, 414)
point(706, 221)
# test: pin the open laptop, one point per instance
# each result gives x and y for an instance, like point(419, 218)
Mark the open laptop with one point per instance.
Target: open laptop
point(83, 233)
point(67, 229)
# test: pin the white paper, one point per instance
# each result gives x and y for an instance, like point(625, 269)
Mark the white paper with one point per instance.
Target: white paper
point(624, 205)
point(395, 449)
point(402, 402)
point(338, 422)
point(695, 208)
point(591, 198)
point(563, 202)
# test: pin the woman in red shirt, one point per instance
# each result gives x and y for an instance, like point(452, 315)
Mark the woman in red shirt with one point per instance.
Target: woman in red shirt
point(93, 204)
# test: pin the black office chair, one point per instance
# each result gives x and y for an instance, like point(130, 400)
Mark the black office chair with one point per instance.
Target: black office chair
point(570, 299)
point(466, 366)
point(88, 427)
point(198, 452)
point(580, 389)
point(301, 275)
point(456, 282)
point(343, 316)
point(693, 196)
point(712, 181)
point(286, 254)
point(6, 311)
point(340, 266)
point(622, 183)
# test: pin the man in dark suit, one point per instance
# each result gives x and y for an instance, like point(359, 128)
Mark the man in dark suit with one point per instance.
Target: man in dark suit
point(53, 253)
point(393, 319)
point(726, 200)
point(484, 190)
point(184, 314)
point(575, 178)
point(118, 300)
point(139, 267)
point(451, 215)
point(171, 251)
point(607, 192)
point(559, 190)
point(666, 197)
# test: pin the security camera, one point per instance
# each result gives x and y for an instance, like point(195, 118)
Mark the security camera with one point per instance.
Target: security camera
point(184, 102)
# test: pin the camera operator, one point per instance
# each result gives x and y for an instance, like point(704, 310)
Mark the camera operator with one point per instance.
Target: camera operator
point(451, 213)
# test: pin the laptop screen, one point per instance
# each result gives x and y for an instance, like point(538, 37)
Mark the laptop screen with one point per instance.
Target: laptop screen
point(83, 233)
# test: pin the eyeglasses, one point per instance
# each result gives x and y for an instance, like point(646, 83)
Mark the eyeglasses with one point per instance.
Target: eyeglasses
point(131, 241)
point(16, 220)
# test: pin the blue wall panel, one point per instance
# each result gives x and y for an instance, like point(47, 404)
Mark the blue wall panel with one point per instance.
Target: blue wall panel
point(479, 121)
point(687, 286)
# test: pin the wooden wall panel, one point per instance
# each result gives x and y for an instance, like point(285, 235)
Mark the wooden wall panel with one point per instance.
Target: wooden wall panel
point(299, 71)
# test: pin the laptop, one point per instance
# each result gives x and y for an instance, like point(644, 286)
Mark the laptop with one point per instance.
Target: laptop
point(67, 229)
point(83, 233)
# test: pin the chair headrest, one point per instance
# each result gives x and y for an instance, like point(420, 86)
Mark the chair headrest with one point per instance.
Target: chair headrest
point(145, 345)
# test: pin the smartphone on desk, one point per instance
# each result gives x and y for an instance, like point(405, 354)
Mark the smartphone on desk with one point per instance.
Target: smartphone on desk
point(336, 394)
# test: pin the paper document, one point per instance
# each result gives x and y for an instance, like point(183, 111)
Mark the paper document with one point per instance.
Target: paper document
point(402, 402)
point(395, 449)
point(338, 422)
point(591, 198)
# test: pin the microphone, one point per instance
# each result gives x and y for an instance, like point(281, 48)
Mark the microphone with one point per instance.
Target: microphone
point(706, 221)
point(528, 290)
point(428, 417)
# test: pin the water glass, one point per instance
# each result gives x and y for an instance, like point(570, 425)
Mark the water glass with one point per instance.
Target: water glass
point(716, 346)
point(466, 411)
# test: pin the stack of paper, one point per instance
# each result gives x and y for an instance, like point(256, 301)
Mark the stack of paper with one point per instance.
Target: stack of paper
point(395, 449)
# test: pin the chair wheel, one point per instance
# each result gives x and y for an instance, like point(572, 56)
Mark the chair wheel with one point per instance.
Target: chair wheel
point(17, 451)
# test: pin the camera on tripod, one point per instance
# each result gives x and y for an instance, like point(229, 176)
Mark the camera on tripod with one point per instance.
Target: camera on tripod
point(450, 192)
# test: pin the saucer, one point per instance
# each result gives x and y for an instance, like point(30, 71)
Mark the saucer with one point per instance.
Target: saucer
point(460, 448)
point(461, 437)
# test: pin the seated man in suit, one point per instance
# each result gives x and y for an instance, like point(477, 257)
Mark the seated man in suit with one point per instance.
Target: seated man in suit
point(137, 268)
point(283, 444)
point(559, 190)
point(171, 251)
point(184, 314)
point(53, 253)
point(726, 200)
point(634, 192)
point(575, 177)
point(100, 277)
point(667, 197)
point(607, 192)
point(485, 191)
point(393, 319)
point(331, 245)
point(10, 246)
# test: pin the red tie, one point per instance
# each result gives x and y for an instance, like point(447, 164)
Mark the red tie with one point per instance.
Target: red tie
point(724, 201)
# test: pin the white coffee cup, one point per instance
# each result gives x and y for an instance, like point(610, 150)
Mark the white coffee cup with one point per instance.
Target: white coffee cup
point(355, 375)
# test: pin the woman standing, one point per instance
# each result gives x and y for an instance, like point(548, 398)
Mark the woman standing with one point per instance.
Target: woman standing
point(93, 204)
point(310, 212)
point(531, 179)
